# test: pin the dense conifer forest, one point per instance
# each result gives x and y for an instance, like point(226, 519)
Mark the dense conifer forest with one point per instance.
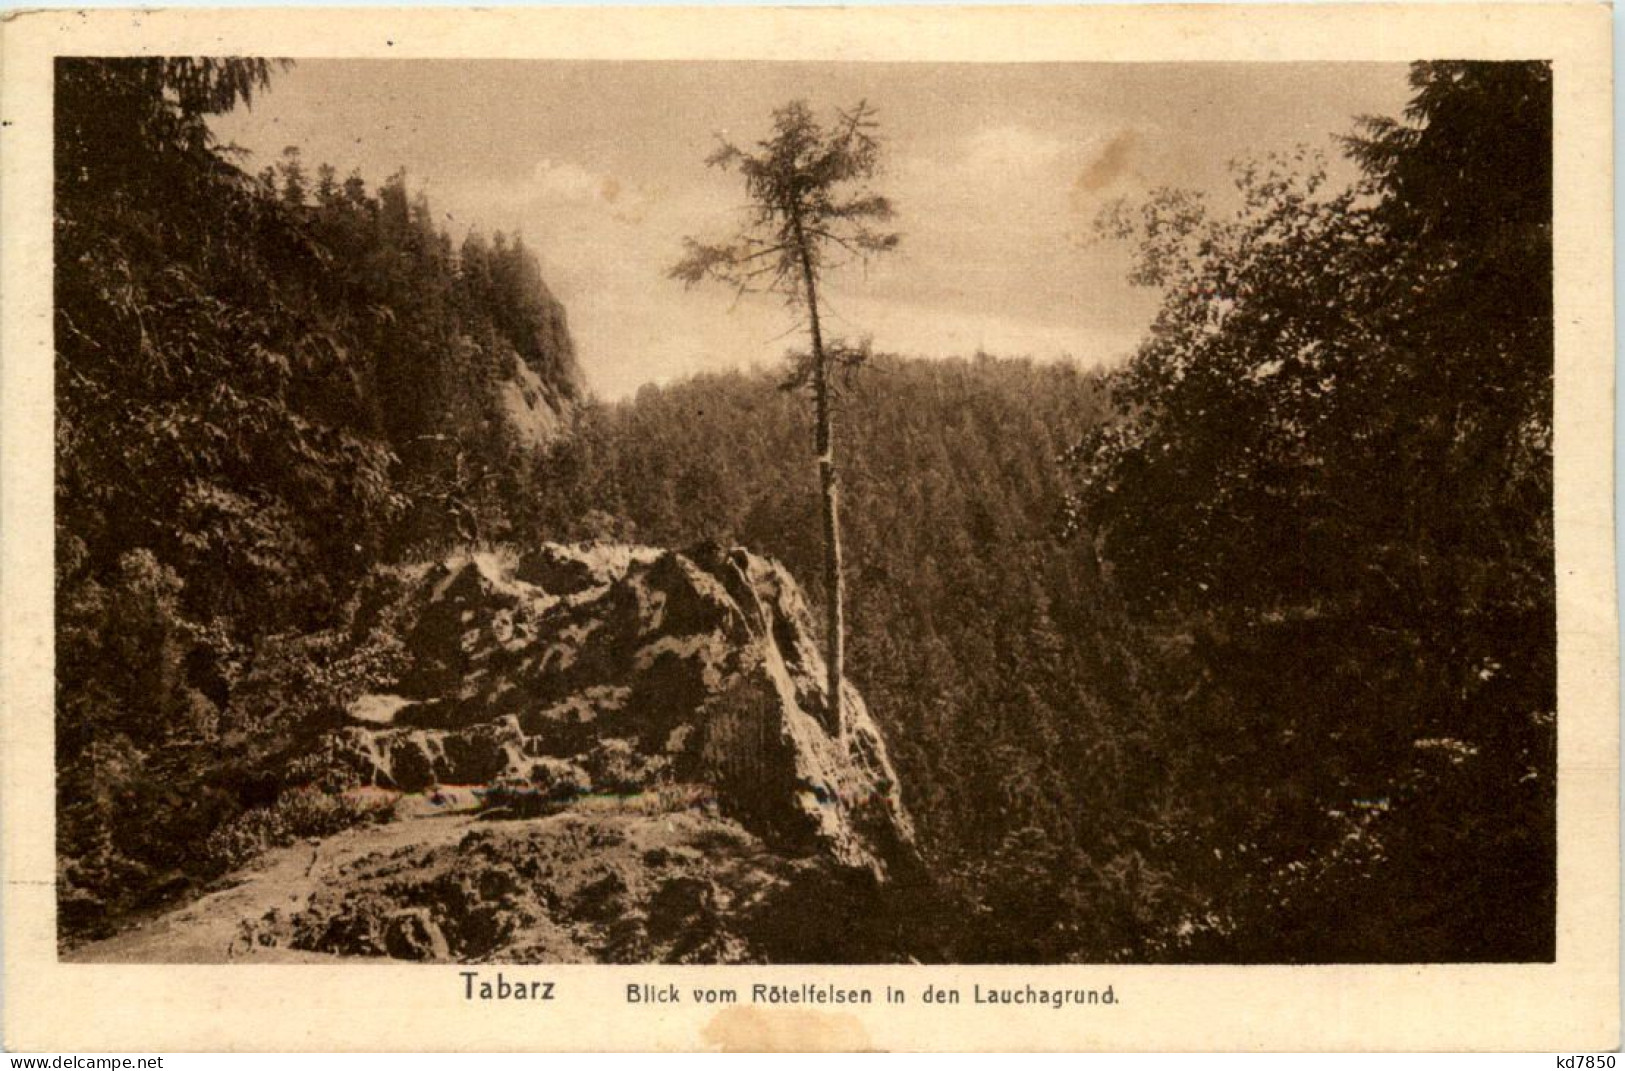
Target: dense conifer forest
point(1242, 651)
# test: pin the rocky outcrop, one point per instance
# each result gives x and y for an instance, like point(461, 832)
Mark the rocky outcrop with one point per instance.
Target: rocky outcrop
point(563, 673)
point(583, 886)
point(535, 410)
point(536, 397)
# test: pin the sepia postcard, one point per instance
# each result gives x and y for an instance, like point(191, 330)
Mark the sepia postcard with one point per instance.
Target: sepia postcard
point(892, 528)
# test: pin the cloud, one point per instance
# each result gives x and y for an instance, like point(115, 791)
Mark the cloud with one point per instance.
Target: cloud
point(944, 328)
point(569, 183)
point(1017, 147)
point(562, 180)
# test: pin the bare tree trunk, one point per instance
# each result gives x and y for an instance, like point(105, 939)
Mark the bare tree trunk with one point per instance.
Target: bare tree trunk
point(824, 418)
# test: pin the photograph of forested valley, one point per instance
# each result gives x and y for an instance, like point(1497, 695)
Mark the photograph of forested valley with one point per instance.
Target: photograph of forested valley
point(736, 512)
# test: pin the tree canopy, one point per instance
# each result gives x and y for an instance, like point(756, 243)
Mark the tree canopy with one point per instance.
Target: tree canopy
point(1333, 468)
point(809, 199)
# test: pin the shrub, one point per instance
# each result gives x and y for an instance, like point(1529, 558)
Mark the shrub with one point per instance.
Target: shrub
point(300, 812)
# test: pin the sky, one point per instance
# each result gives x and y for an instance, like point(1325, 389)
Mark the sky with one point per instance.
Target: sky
point(997, 172)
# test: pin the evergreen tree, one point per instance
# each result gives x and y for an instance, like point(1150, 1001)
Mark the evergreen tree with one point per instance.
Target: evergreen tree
point(809, 203)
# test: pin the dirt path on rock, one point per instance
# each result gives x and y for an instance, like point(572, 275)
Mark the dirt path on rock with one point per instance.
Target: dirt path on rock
point(219, 927)
point(605, 880)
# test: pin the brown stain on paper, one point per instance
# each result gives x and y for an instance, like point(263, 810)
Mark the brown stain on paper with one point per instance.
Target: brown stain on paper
point(785, 1030)
point(1111, 164)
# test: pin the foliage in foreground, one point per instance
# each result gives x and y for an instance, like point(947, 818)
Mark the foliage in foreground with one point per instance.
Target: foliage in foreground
point(1332, 481)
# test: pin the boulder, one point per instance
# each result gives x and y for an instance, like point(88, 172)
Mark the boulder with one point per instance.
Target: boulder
point(414, 934)
point(630, 670)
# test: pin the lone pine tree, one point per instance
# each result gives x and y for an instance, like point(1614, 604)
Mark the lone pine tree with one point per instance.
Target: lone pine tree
point(810, 210)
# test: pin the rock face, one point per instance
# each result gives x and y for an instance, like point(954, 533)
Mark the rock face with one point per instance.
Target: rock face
point(564, 673)
point(536, 380)
point(536, 397)
point(536, 412)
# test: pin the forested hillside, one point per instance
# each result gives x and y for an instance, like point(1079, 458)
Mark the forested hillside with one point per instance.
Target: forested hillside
point(983, 643)
point(266, 387)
